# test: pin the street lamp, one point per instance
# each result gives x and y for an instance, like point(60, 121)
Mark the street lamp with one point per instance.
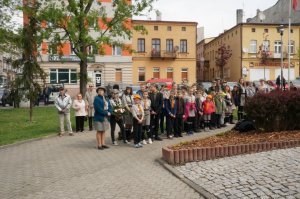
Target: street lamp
point(280, 29)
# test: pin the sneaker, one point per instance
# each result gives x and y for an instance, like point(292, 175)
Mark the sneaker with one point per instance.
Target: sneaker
point(136, 146)
point(115, 143)
point(144, 142)
point(150, 141)
point(140, 145)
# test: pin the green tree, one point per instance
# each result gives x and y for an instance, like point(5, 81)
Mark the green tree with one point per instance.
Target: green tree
point(28, 83)
point(76, 21)
point(223, 54)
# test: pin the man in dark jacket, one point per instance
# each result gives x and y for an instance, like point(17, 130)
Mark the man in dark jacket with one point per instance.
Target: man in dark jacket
point(156, 109)
point(180, 106)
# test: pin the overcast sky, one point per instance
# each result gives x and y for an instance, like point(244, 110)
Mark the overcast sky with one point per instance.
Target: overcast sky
point(214, 15)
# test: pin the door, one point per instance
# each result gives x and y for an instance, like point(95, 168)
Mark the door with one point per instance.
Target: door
point(98, 78)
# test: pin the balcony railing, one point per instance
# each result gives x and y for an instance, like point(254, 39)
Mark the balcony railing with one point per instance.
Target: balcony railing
point(163, 55)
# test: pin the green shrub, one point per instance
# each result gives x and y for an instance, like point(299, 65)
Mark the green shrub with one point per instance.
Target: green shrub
point(275, 111)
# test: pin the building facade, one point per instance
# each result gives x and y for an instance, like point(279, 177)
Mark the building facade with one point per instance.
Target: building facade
point(168, 50)
point(7, 71)
point(108, 65)
point(256, 52)
point(201, 76)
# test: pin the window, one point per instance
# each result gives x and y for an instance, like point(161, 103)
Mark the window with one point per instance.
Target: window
point(292, 47)
point(63, 76)
point(266, 45)
point(141, 74)
point(183, 28)
point(183, 46)
point(89, 50)
point(170, 73)
point(116, 50)
point(292, 31)
point(252, 48)
point(156, 72)
point(277, 45)
point(253, 29)
point(95, 50)
point(155, 27)
point(169, 45)
point(184, 74)
point(266, 30)
point(118, 75)
point(71, 49)
point(169, 28)
point(141, 45)
point(156, 45)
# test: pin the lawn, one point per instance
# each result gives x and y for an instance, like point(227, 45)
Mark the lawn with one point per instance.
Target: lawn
point(15, 124)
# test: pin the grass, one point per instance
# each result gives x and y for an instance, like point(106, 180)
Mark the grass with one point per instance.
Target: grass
point(15, 125)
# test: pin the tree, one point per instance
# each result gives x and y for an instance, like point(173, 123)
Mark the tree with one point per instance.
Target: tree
point(27, 84)
point(86, 23)
point(223, 55)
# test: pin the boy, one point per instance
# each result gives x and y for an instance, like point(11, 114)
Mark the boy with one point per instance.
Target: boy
point(180, 106)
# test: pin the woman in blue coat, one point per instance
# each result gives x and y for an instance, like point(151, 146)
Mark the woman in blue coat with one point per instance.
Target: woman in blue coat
point(103, 111)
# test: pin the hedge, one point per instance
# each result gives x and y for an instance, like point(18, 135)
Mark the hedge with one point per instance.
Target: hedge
point(275, 111)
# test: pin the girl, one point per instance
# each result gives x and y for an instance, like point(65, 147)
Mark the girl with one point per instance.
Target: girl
point(117, 118)
point(242, 98)
point(208, 108)
point(199, 118)
point(138, 117)
point(171, 110)
point(180, 106)
point(146, 103)
point(80, 113)
point(190, 112)
point(128, 102)
point(103, 111)
point(229, 105)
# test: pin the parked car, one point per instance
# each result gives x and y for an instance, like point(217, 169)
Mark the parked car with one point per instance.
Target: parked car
point(54, 92)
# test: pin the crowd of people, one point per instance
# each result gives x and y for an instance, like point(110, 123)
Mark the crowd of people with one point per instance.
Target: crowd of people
point(175, 112)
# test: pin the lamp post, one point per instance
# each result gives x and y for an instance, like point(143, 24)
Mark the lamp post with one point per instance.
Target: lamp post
point(281, 30)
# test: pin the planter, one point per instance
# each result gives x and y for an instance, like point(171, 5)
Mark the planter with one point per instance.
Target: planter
point(182, 156)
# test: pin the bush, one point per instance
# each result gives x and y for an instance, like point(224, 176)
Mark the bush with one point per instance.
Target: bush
point(275, 111)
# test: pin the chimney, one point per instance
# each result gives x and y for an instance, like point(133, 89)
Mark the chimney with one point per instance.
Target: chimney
point(239, 16)
point(158, 15)
point(257, 12)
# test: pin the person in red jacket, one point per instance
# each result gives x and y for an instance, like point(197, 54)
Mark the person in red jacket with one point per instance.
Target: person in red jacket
point(208, 108)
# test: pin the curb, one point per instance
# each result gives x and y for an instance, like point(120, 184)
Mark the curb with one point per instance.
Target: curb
point(27, 141)
point(182, 156)
point(181, 177)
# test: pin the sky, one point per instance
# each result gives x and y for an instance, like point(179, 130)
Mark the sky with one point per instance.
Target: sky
point(214, 15)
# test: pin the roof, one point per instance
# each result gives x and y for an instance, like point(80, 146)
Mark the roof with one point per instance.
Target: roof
point(165, 22)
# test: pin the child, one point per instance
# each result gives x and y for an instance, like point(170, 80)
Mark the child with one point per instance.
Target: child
point(80, 113)
point(138, 117)
point(199, 114)
point(213, 121)
point(180, 106)
point(190, 112)
point(208, 108)
point(220, 109)
point(170, 109)
point(146, 103)
point(229, 106)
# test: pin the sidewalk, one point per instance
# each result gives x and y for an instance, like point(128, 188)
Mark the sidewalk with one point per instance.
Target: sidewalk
point(72, 167)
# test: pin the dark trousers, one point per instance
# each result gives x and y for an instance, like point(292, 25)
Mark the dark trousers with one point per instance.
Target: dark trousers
point(137, 131)
point(79, 123)
point(178, 126)
point(154, 124)
point(148, 132)
point(199, 122)
point(218, 120)
point(46, 100)
point(91, 123)
point(213, 120)
point(240, 112)
point(162, 122)
point(113, 122)
point(170, 125)
point(191, 124)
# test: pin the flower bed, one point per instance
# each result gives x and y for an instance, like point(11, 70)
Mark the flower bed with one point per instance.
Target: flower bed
point(229, 144)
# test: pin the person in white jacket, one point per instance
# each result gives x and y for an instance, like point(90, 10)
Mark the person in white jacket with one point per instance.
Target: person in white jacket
point(63, 104)
point(80, 113)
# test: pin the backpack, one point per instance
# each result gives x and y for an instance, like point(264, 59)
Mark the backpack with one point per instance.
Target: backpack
point(244, 126)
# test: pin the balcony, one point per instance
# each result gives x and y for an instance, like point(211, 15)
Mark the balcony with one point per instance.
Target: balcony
point(163, 55)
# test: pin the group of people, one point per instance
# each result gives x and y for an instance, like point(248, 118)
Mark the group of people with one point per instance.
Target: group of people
point(140, 116)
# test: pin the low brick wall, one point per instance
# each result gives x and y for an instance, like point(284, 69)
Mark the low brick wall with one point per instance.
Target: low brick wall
point(207, 153)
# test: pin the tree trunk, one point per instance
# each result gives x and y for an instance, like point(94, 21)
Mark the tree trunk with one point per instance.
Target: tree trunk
point(83, 77)
point(30, 110)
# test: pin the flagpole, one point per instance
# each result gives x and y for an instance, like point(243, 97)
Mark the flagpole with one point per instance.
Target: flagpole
point(289, 46)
